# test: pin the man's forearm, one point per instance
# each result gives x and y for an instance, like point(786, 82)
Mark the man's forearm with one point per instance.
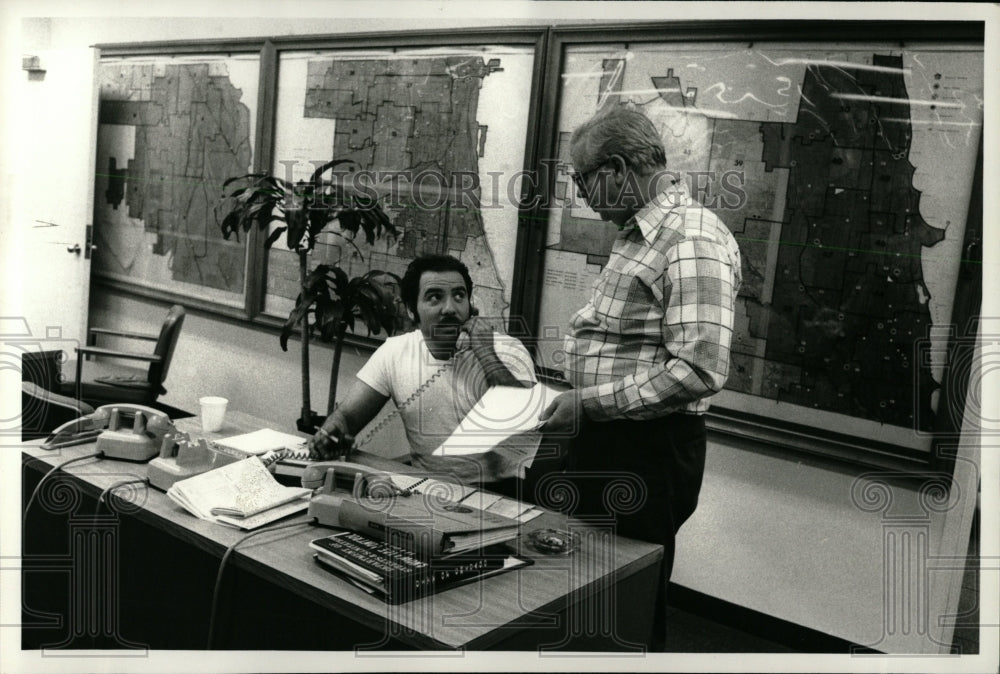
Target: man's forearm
point(650, 393)
point(497, 373)
point(338, 421)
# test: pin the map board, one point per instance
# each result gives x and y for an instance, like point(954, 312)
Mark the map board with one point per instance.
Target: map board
point(845, 175)
point(170, 131)
point(441, 133)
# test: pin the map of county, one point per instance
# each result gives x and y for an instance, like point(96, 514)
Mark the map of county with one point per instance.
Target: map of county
point(847, 298)
point(416, 118)
point(169, 135)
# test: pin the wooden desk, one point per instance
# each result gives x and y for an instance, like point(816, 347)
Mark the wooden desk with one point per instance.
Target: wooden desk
point(143, 576)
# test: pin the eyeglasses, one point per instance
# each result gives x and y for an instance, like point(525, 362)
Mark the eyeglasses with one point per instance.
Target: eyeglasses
point(580, 179)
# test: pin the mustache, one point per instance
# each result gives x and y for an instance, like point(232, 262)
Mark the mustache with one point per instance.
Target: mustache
point(446, 328)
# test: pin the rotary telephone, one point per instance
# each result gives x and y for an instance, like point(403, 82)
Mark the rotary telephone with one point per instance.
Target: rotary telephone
point(123, 431)
point(353, 477)
point(181, 457)
point(333, 479)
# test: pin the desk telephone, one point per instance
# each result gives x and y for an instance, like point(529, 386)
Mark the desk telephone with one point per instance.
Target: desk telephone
point(181, 458)
point(360, 480)
point(138, 433)
point(129, 432)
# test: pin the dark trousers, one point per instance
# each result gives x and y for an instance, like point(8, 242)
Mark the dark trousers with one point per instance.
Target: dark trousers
point(641, 477)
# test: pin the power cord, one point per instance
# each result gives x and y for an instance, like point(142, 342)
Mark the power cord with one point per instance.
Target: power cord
point(222, 567)
point(38, 487)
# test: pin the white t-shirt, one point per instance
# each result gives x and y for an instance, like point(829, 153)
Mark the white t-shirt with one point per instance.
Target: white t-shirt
point(403, 363)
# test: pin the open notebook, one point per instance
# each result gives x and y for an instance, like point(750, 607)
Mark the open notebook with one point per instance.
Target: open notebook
point(241, 494)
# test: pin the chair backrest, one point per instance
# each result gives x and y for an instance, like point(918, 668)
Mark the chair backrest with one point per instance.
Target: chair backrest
point(165, 345)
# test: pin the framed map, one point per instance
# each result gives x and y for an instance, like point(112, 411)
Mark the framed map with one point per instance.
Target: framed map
point(845, 173)
point(171, 130)
point(439, 132)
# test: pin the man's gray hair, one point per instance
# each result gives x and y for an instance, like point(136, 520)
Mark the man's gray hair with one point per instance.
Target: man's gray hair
point(618, 130)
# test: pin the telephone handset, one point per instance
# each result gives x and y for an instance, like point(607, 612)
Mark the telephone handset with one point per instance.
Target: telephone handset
point(181, 457)
point(362, 481)
point(123, 431)
point(356, 478)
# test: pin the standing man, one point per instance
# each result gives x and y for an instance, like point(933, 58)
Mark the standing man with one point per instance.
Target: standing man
point(651, 345)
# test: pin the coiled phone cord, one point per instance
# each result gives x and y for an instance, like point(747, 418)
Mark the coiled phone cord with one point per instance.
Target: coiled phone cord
point(106, 494)
point(406, 403)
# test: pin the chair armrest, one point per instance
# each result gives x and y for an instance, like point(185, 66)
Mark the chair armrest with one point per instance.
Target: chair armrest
point(39, 393)
point(122, 333)
point(111, 353)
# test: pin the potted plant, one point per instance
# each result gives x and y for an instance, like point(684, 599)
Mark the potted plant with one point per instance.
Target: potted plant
point(330, 302)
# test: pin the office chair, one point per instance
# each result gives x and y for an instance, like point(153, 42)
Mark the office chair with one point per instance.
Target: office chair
point(117, 384)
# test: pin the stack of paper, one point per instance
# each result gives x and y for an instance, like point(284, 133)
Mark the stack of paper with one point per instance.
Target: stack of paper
point(241, 494)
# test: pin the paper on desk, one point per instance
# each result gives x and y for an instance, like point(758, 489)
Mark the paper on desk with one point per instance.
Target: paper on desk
point(263, 441)
point(466, 495)
point(501, 505)
point(266, 517)
point(244, 486)
point(504, 420)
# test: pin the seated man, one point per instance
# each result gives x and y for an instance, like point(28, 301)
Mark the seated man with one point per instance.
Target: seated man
point(434, 374)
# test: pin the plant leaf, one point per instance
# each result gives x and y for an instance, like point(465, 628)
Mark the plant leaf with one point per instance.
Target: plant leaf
point(297, 227)
point(333, 163)
point(329, 317)
point(341, 281)
point(310, 295)
point(273, 236)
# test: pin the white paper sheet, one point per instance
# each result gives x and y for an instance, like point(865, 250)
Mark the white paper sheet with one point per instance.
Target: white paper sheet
point(505, 420)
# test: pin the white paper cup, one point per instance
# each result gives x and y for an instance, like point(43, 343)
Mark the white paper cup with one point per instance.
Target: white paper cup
point(213, 411)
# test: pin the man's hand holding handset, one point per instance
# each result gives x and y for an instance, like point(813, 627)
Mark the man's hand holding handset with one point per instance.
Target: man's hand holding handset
point(477, 334)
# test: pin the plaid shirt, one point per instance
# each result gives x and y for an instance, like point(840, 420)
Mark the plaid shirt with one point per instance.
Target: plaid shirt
point(655, 336)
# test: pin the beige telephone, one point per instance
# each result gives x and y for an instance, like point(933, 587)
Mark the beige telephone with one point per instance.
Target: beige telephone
point(122, 431)
point(353, 477)
point(362, 481)
point(181, 457)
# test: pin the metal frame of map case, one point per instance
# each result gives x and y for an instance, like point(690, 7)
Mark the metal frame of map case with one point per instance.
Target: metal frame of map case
point(171, 128)
point(436, 131)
